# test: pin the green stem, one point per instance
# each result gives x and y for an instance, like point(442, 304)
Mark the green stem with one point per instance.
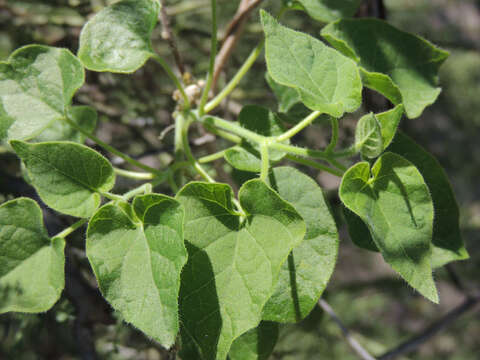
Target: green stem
point(299, 127)
point(111, 149)
point(63, 234)
point(133, 174)
point(236, 79)
point(143, 189)
point(345, 152)
point(314, 164)
point(334, 139)
point(213, 55)
point(265, 161)
point(232, 127)
point(113, 197)
point(212, 157)
point(172, 76)
point(226, 135)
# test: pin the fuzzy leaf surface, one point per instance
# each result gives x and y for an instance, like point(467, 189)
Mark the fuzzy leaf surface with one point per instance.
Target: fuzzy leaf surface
point(255, 344)
point(68, 177)
point(37, 84)
point(233, 263)
point(137, 253)
point(389, 121)
point(326, 80)
point(401, 66)
point(368, 136)
point(32, 273)
point(117, 39)
point(395, 203)
point(305, 275)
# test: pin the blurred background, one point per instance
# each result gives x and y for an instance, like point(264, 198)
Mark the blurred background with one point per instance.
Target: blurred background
point(380, 310)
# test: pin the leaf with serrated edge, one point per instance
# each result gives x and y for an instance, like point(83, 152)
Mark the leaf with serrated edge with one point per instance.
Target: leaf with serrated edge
point(117, 39)
point(401, 66)
point(306, 273)
point(84, 116)
point(255, 344)
point(32, 273)
point(137, 254)
point(327, 10)
point(368, 136)
point(396, 205)
point(262, 121)
point(326, 80)
point(37, 84)
point(233, 263)
point(68, 177)
point(447, 239)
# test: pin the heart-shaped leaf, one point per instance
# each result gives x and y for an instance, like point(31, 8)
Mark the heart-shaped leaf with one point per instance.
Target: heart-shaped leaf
point(255, 344)
point(32, 273)
point(306, 273)
point(37, 84)
point(69, 177)
point(117, 39)
point(137, 254)
point(401, 66)
point(234, 262)
point(395, 203)
point(326, 80)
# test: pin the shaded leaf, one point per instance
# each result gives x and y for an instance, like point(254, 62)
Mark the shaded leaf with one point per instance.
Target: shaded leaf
point(326, 80)
point(68, 177)
point(395, 203)
point(117, 39)
point(447, 239)
point(137, 255)
point(233, 263)
point(358, 231)
point(255, 344)
point(305, 275)
point(401, 66)
point(368, 136)
point(36, 86)
point(389, 121)
point(326, 10)
point(32, 273)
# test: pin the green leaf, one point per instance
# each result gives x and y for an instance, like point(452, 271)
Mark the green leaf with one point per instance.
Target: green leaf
point(401, 66)
point(262, 121)
point(447, 240)
point(83, 116)
point(389, 121)
point(31, 265)
point(255, 344)
point(326, 10)
point(234, 262)
point(68, 177)
point(306, 273)
point(395, 203)
point(137, 254)
point(326, 80)
point(36, 86)
point(358, 231)
point(368, 136)
point(117, 39)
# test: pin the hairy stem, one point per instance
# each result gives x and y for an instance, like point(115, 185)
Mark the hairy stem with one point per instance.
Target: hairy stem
point(334, 139)
point(299, 127)
point(265, 161)
point(133, 174)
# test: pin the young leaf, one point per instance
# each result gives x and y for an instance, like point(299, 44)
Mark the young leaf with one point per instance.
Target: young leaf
point(83, 116)
point(255, 344)
point(401, 66)
point(326, 80)
point(117, 39)
point(389, 121)
point(447, 240)
point(233, 263)
point(368, 136)
point(326, 10)
point(31, 265)
point(395, 204)
point(69, 177)
point(137, 255)
point(306, 273)
point(36, 86)
point(246, 156)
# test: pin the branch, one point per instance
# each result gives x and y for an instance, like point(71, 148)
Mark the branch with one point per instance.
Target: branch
point(232, 34)
point(354, 344)
point(416, 341)
point(167, 34)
